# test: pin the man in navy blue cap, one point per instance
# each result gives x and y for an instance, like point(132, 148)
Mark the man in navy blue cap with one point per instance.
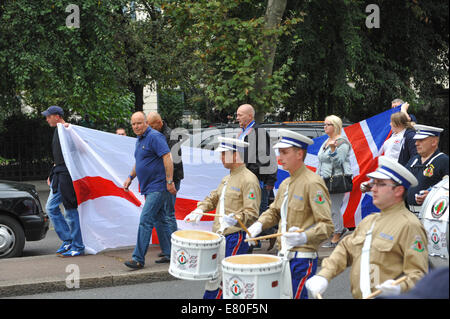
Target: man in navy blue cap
point(61, 191)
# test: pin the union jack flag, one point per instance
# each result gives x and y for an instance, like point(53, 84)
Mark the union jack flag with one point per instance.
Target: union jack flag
point(366, 138)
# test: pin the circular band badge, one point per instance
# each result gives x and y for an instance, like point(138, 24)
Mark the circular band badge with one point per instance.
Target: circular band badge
point(439, 207)
point(182, 257)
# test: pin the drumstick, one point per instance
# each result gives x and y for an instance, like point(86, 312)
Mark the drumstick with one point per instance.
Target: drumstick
point(243, 226)
point(272, 236)
point(209, 214)
point(395, 283)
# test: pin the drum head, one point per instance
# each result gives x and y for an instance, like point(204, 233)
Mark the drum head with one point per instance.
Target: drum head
point(252, 259)
point(196, 235)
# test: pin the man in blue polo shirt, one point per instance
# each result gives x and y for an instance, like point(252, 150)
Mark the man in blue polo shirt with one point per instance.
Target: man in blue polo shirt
point(154, 170)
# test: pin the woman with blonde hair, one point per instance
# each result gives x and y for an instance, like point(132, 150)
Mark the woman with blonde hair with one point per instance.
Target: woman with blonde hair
point(334, 159)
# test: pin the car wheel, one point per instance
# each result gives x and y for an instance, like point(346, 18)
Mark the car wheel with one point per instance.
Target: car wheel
point(12, 237)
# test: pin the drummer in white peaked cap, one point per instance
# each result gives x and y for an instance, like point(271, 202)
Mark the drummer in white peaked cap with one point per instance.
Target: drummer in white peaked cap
point(384, 246)
point(429, 165)
point(302, 203)
point(237, 197)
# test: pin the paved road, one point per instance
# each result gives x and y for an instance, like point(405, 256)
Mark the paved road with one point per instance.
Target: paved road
point(339, 288)
point(46, 246)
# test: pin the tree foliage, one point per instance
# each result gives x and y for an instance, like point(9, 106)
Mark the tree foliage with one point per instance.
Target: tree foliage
point(341, 66)
point(225, 40)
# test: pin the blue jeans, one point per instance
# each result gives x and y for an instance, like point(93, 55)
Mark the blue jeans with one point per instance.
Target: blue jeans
point(170, 221)
point(151, 216)
point(67, 228)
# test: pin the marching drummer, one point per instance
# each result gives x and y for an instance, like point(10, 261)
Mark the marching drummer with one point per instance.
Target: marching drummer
point(385, 245)
point(237, 198)
point(302, 203)
point(429, 166)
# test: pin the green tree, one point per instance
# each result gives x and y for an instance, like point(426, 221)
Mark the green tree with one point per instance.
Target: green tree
point(231, 46)
point(343, 67)
point(44, 62)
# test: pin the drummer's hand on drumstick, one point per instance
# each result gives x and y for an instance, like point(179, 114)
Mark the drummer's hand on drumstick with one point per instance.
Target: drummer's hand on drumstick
point(388, 288)
point(316, 286)
point(194, 216)
point(254, 231)
point(294, 238)
point(230, 220)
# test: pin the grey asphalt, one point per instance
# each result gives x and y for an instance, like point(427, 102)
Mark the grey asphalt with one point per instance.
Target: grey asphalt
point(50, 273)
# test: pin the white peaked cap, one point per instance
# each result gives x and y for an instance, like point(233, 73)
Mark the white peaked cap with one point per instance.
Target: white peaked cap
point(390, 169)
point(230, 144)
point(289, 138)
point(424, 131)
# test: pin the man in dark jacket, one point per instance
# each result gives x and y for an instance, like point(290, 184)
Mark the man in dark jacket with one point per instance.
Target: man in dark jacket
point(259, 157)
point(61, 191)
point(155, 121)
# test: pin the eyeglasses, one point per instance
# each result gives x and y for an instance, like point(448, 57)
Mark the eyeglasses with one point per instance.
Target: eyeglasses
point(326, 124)
point(371, 185)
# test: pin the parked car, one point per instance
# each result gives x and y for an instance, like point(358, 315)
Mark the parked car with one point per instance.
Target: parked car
point(21, 217)
point(206, 138)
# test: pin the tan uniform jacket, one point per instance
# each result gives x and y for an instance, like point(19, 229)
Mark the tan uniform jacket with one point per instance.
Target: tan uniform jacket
point(242, 197)
point(309, 208)
point(399, 247)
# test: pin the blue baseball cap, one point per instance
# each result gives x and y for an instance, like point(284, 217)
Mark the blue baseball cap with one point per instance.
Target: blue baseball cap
point(54, 109)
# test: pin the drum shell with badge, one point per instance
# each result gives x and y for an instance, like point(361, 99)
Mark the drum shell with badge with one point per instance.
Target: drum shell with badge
point(195, 254)
point(252, 276)
point(435, 216)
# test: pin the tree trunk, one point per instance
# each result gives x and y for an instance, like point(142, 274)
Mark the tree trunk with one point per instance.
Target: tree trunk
point(138, 91)
point(274, 14)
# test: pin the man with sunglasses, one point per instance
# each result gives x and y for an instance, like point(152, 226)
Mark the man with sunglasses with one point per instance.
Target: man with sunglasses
point(385, 246)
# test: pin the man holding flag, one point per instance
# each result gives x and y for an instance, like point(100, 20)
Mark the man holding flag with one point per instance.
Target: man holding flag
point(154, 170)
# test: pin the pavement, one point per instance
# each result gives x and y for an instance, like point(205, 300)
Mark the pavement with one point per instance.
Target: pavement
point(51, 273)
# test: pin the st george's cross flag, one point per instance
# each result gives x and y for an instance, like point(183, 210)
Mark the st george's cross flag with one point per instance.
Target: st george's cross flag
point(99, 163)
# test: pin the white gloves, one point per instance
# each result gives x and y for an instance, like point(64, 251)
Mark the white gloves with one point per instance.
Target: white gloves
point(254, 231)
point(365, 187)
point(194, 216)
point(229, 220)
point(316, 285)
point(293, 238)
point(387, 288)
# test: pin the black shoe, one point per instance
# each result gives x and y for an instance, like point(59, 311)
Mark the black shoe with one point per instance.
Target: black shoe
point(163, 260)
point(133, 264)
point(161, 254)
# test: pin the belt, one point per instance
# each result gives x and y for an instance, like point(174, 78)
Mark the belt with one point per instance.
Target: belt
point(415, 209)
point(299, 254)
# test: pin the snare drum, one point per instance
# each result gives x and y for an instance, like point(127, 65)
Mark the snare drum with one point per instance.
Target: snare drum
point(194, 254)
point(435, 217)
point(251, 277)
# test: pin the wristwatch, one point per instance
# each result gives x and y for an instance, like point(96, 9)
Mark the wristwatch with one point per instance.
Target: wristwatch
point(169, 182)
